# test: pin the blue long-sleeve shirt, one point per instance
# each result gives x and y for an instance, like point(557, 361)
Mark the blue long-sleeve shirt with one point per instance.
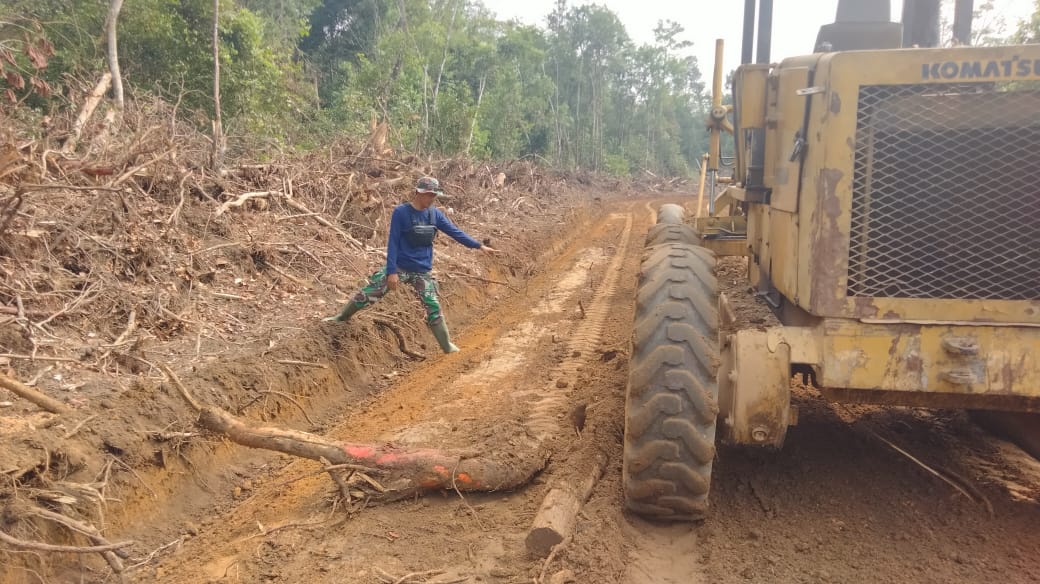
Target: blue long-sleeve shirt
point(402, 255)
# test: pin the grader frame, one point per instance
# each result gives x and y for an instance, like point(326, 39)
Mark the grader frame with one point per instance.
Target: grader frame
point(886, 199)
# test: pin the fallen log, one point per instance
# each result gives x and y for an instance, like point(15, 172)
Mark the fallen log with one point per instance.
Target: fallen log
point(558, 514)
point(25, 392)
point(402, 472)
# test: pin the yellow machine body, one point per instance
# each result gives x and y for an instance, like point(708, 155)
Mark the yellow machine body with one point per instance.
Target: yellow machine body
point(892, 204)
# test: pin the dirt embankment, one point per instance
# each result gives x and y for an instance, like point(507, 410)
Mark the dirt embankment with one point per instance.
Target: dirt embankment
point(129, 255)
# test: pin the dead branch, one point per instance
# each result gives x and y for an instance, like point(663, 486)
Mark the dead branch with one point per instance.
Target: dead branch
point(317, 217)
point(962, 489)
point(344, 488)
point(38, 358)
point(70, 549)
point(290, 277)
point(195, 405)
point(88, 110)
point(86, 297)
point(478, 278)
point(131, 325)
point(400, 339)
point(218, 246)
point(552, 556)
point(295, 403)
point(172, 220)
point(242, 200)
point(130, 173)
point(79, 426)
point(469, 507)
point(64, 187)
point(88, 530)
point(412, 578)
point(346, 197)
point(27, 393)
point(142, 561)
point(302, 363)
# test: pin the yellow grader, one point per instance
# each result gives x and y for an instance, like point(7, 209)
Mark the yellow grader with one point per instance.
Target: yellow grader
point(887, 196)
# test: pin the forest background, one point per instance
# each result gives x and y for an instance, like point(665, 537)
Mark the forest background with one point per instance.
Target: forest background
point(447, 76)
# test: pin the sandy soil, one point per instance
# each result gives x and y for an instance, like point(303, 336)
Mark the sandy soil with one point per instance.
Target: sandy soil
point(837, 504)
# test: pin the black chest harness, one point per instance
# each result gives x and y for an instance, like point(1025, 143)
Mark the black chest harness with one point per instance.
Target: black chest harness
point(422, 232)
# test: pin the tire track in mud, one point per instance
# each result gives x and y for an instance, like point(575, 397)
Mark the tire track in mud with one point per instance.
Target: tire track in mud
point(664, 554)
point(479, 396)
point(550, 401)
point(495, 378)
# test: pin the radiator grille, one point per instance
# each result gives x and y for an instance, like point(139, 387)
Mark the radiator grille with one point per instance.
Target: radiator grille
point(946, 193)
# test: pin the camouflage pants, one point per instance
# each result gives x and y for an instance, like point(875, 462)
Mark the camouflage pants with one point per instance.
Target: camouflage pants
point(423, 283)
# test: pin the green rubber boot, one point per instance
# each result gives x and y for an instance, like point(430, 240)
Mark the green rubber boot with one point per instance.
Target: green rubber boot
point(440, 330)
point(344, 315)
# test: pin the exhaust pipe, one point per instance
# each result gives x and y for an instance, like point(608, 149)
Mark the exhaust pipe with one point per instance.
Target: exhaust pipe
point(747, 49)
point(765, 32)
point(963, 13)
point(921, 23)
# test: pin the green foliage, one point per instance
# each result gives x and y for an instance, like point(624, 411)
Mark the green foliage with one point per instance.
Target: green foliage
point(617, 165)
point(1029, 30)
point(446, 74)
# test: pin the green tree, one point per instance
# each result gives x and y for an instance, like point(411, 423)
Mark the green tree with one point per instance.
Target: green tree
point(1029, 30)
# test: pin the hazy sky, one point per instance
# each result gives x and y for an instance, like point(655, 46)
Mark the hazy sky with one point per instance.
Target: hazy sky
point(795, 23)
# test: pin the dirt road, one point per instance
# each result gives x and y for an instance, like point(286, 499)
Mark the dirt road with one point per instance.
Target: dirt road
point(838, 504)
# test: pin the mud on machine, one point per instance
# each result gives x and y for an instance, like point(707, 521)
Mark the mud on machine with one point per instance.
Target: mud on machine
point(887, 196)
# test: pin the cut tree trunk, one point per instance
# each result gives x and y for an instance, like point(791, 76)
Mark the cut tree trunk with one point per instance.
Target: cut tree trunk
point(404, 471)
point(558, 514)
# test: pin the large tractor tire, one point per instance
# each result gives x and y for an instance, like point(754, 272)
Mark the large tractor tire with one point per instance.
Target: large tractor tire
point(671, 233)
point(670, 213)
point(672, 396)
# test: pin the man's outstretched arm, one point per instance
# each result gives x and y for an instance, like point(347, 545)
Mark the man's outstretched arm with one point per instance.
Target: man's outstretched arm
point(444, 224)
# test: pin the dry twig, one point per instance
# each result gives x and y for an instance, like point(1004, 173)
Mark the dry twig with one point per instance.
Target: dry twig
point(975, 495)
point(302, 363)
point(552, 556)
point(296, 403)
point(27, 393)
point(88, 530)
point(70, 549)
point(480, 279)
point(401, 344)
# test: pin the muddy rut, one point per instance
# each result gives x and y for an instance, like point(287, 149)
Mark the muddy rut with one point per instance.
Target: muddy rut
point(837, 504)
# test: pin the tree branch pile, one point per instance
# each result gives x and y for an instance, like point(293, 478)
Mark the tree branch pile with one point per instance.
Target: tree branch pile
point(95, 219)
point(121, 247)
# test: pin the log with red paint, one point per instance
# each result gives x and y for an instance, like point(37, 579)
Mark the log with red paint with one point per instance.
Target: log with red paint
point(403, 471)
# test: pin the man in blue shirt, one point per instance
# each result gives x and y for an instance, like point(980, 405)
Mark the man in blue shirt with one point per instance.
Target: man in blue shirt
point(409, 258)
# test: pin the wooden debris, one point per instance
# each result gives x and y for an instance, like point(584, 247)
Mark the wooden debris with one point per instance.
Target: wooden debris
point(403, 471)
point(558, 514)
point(35, 396)
point(86, 112)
